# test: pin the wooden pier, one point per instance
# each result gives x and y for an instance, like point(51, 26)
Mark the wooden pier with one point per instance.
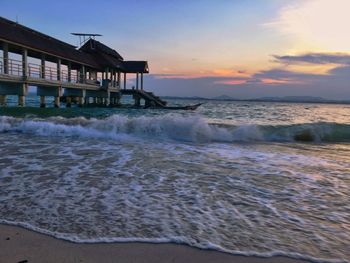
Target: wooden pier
point(93, 73)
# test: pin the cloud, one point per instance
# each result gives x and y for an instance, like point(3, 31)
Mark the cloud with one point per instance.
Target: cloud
point(315, 24)
point(315, 58)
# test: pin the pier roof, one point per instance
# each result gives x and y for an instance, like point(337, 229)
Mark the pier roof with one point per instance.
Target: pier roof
point(135, 66)
point(94, 46)
point(20, 35)
point(93, 53)
point(102, 54)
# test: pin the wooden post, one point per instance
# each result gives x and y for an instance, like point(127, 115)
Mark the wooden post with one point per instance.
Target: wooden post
point(59, 69)
point(83, 76)
point(137, 81)
point(124, 80)
point(78, 76)
point(111, 76)
point(68, 102)
point(2, 100)
point(114, 79)
point(25, 63)
point(21, 100)
point(57, 102)
point(80, 101)
point(118, 81)
point(42, 102)
point(69, 68)
point(42, 70)
point(141, 81)
point(5, 51)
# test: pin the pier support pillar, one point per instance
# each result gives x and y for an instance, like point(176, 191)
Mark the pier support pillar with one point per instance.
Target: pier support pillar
point(21, 101)
point(137, 80)
point(3, 100)
point(137, 100)
point(124, 80)
point(80, 102)
point(42, 102)
point(57, 102)
point(48, 91)
point(68, 102)
point(141, 81)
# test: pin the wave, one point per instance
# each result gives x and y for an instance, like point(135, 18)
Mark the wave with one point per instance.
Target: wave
point(175, 127)
point(175, 240)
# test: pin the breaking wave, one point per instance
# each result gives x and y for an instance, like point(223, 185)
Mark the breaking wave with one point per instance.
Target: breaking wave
point(175, 127)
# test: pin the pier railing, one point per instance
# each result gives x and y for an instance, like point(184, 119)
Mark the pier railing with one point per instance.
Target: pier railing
point(15, 68)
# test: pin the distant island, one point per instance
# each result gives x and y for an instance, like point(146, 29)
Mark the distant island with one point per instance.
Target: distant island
point(291, 99)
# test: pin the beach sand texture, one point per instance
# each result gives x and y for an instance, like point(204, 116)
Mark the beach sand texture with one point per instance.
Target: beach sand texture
point(21, 245)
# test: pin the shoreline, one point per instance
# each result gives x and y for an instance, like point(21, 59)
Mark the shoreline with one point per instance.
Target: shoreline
point(22, 245)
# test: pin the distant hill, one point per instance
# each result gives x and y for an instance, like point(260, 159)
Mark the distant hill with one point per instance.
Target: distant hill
point(301, 99)
point(290, 99)
point(294, 99)
point(223, 97)
point(184, 98)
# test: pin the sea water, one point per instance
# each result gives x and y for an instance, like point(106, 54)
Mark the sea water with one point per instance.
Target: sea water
point(250, 178)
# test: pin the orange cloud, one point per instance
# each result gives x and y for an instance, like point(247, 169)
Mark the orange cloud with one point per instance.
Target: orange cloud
point(231, 81)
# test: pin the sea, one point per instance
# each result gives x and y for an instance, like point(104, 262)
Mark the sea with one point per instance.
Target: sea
point(247, 178)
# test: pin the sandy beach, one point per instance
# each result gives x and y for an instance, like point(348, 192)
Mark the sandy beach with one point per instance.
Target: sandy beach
point(21, 245)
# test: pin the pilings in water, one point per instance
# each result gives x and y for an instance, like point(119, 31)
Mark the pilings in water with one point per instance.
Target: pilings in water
point(3, 100)
point(78, 96)
point(45, 91)
point(137, 100)
point(18, 89)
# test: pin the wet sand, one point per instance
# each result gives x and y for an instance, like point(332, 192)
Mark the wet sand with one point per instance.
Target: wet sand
point(21, 245)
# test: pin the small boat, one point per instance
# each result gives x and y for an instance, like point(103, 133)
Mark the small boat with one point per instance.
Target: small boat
point(188, 107)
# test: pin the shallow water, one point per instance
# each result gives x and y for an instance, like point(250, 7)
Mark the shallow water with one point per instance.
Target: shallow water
point(248, 178)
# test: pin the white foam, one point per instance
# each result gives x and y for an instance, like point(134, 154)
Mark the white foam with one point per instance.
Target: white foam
point(87, 183)
point(177, 240)
point(174, 127)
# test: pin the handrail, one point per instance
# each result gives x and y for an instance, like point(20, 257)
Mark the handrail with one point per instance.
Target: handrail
point(15, 68)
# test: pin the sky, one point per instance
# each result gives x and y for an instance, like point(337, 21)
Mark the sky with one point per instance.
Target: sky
point(240, 48)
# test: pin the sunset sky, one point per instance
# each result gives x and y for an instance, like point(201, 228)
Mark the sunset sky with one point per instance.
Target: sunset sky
point(241, 48)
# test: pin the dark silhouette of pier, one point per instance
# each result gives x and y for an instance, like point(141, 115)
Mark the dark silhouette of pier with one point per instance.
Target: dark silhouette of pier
point(93, 73)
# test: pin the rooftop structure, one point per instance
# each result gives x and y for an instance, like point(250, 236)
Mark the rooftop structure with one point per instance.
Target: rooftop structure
point(93, 70)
